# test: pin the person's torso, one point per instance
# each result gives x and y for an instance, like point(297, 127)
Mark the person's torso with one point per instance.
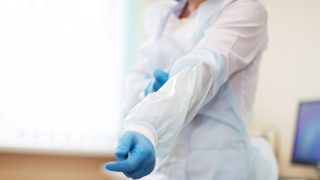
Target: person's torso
point(200, 144)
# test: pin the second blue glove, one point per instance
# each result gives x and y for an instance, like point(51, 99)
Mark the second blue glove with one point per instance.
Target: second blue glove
point(160, 78)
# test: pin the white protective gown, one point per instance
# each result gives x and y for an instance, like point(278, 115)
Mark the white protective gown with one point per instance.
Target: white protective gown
point(198, 120)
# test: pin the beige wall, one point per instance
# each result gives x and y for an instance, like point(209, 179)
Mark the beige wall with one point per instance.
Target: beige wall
point(290, 72)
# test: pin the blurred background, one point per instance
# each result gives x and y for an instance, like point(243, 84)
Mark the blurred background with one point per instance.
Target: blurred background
point(62, 64)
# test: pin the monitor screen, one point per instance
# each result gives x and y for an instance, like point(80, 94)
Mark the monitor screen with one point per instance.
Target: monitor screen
point(307, 140)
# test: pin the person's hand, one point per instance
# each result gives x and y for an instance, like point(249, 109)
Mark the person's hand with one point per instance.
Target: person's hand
point(160, 78)
point(135, 156)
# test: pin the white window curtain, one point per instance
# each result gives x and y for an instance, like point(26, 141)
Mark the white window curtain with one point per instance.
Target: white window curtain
point(60, 74)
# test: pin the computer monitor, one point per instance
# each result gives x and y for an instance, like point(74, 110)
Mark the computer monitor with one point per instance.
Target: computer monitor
point(307, 139)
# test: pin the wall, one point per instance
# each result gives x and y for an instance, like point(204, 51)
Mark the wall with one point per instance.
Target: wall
point(290, 72)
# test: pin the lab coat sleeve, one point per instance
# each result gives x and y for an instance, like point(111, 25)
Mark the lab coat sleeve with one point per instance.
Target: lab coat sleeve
point(239, 34)
point(229, 45)
point(141, 74)
point(134, 87)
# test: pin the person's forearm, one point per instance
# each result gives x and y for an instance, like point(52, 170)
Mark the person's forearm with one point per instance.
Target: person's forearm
point(194, 81)
point(134, 91)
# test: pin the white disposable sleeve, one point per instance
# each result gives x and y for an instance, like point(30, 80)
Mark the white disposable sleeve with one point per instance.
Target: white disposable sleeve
point(139, 78)
point(194, 80)
point(133, 91)
point(141, 74)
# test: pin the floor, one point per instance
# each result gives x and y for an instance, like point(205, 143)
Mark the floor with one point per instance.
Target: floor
point(49, 167)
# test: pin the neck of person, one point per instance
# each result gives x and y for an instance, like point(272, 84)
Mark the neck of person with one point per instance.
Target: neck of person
point(191, 6)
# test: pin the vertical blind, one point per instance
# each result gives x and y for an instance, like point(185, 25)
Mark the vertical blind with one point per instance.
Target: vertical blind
point(60, 74)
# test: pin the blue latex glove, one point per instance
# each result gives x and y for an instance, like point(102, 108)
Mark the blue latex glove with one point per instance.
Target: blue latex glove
point(135, 156)
point(160, 77)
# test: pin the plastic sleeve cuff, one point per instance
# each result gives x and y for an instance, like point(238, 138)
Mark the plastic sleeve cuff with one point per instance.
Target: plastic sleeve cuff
point(145, 129)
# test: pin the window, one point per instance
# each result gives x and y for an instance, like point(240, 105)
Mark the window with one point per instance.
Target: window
point(60, 74)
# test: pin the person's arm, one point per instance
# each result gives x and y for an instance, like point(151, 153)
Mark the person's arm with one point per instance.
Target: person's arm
point(142, 82)
point(135, 85)
point(228, 46)
point(142, 73)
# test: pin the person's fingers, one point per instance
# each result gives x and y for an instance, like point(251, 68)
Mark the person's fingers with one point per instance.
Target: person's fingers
point(144, 168)
point(121, 157)
point(157, 85)
point(130, 165)
point(124, 147)
point(139, 173)
point(136, 159)
point(161, 75)
point(119, 166)
point(121, 154)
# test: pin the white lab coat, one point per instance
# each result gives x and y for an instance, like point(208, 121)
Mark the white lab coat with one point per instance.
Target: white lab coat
point(198, 120)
